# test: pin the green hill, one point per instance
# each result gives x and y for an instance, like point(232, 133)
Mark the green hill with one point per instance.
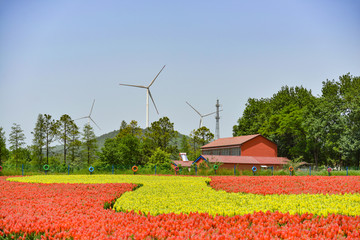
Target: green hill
point(101, 139)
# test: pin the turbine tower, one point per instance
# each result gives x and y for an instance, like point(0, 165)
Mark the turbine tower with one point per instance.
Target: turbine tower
point(201, 116)
point(148, 93)
point(89, 116)
point(217, 117)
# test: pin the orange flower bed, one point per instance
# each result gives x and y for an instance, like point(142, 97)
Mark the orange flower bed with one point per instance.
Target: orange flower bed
point(287, 184)
point(76, 211)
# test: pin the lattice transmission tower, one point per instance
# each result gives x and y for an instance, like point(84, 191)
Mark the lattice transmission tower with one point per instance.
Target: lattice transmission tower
point(217, 117)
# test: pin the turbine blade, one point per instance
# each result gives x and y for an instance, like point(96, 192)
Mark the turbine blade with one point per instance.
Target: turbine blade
point(129, 85)
point(208, 114)
point(92, 107)
point(153, 101)
point(193, 108)
point(200, 124)
point(94, 123)
point(156, 76)
point(81, 118)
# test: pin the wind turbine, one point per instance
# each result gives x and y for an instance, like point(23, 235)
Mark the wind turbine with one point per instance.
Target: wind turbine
point(89, 117)
point(148, 93)
point(201, 116)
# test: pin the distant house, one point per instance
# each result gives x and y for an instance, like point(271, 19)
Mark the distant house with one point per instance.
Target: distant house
point(243, 152)
point(184, 162)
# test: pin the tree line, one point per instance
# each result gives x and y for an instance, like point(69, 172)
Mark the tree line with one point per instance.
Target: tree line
point(158, 144)
point(320, 130)
point(78, 147)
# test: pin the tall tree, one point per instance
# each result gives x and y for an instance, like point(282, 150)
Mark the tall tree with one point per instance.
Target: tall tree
point(349, 91)
point(3, 150)
point(256, 112)
point(65, 125)
point(39, 138)
point(204, 135)
point(199, 138)
point(124, 151)
point(314, 125)
point(162, 133)
point(17, 140)
point(279, 118)
point(184, 145)
point(284, 124)
point(110, 153)
point(330, 116)
point(89, 142)
point(194, 141)
point(51, 131)
point(130, 148)
point(74, 142)
point(132, 128)
point(123, 125)
point(160, 157)
point(286, 129)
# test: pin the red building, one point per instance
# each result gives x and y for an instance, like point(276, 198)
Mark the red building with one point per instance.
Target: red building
point(243, 152)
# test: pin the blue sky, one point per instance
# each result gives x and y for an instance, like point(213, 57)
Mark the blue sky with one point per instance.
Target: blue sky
point(57, 56)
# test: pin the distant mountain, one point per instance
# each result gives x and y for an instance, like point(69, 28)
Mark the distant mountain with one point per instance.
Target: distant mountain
point(100, 141)
point(102, 138)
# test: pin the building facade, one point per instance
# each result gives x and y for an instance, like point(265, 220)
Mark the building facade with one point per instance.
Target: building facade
point(243, 153)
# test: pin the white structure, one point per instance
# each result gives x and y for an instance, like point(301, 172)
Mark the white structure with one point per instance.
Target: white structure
point(148, 93)
point(201, 116)
point(89, 116)
point(183, 157)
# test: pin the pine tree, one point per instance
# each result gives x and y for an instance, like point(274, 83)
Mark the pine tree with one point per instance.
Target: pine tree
point(51, 129)
point(184, 145)
point(16, 140)
point(63, 133)
point(123, 125)
point(74, 142)
point(130, 129)
point(39, 138)
point(162, 133)
point(89, 142)
point(3, 150)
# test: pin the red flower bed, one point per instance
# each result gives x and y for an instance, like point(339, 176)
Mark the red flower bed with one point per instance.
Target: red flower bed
point(287, 184)
point(63, 211)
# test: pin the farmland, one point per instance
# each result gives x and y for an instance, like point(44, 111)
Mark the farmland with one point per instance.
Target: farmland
point(177, 207)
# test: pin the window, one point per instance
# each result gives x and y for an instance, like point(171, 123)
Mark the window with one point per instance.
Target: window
point(225, 151)
point(236, 151)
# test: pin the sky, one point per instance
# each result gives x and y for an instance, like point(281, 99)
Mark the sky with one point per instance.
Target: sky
point(56, 57)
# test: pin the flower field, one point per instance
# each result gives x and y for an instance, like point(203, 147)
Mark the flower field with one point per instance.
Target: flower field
point(174, 207)
point(287, 185)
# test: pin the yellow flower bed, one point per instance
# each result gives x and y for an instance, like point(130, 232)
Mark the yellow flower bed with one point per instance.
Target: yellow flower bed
point(166, 194)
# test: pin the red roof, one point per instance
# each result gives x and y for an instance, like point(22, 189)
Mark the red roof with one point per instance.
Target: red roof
point(183, 163)
point(246, 159)
point(230, 141)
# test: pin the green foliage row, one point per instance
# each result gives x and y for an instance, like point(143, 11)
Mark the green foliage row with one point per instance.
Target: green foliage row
point(322, 130)
point(78, 147)
point(165, 169)
point(156, 145)
point(132, 145)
